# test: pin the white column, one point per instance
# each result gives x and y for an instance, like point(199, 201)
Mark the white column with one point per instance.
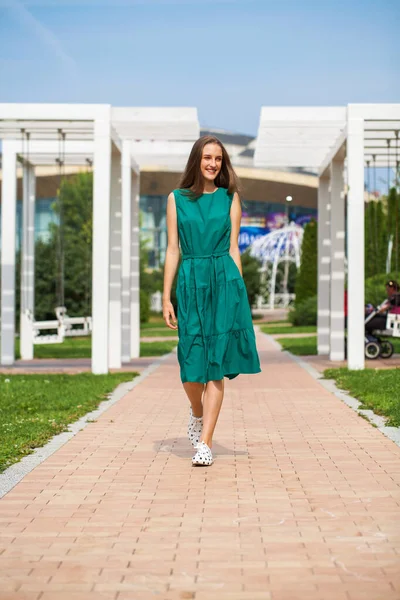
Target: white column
point(115, 307)
point(337, 262)
point(126, 170)
point(101, 244)
point(135, 283)
point(324, 259)
point(8, 235)
point(355, 243)
point(27, 263)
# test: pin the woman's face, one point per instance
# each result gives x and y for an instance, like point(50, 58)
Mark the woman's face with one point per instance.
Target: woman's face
point(390, 290)
point(211, 161)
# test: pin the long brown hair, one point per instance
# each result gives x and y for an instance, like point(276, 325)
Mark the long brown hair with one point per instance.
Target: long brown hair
point(192, 179)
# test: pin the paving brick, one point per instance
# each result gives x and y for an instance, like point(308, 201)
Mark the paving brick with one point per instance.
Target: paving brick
point(303, 500)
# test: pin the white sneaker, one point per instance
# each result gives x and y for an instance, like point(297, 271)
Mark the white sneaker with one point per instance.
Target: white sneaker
point(194, 429)
point(203, 456)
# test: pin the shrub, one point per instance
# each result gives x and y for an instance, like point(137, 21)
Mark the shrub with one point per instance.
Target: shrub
point(251, 276)
point(306, 281)
point(144, 307)
point(304, 313)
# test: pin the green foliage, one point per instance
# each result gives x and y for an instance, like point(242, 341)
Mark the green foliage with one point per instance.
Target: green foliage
point(144, 306)
point(76, 203)
point(376, 238)
point(73, 241)
point(382, 222)
point(45, 280)
point(393, 209)
point(304, 313)
point(251, 276)
point(306, 281)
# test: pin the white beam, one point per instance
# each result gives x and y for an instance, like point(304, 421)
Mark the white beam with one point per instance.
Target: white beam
point(101, 245)
point(355, 242)
point(156, 123)
point(8, 235)
point(337, 151)
point(324, 257)
point(337, 233)
point(115, 308)
point(54, 112)
point(135, 273)
point(27, 262)
point(126, 249)
point(375, 112)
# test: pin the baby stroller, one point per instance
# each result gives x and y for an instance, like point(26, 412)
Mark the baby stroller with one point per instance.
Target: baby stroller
point(375, 346)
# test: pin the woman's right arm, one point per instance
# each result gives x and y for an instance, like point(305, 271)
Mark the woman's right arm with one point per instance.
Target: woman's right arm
point(172, 256)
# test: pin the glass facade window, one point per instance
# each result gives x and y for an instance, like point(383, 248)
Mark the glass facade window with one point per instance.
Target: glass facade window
point(153, 227)
point(44, 215)
point(258, 218)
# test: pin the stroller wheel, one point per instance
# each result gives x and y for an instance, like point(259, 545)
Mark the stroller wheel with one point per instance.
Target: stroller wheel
point(372, 350)
point(386, 349)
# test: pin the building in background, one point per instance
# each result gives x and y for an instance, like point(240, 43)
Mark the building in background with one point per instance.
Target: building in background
point(264, 197)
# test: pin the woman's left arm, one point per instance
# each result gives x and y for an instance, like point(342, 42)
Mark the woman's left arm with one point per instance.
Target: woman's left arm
point(236, 215)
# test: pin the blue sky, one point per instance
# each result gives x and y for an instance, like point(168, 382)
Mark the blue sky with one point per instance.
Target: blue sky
point(226, 57)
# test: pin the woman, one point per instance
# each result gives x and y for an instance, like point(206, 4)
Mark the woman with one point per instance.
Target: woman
point(216, 335)
point(391, 305)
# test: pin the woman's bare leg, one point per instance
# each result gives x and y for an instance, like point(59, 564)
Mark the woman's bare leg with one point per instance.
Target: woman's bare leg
point(194, 392)
point(213, 396)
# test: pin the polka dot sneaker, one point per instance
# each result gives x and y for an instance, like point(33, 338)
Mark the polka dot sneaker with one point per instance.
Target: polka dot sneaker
point(203, 456)
point(194, 428)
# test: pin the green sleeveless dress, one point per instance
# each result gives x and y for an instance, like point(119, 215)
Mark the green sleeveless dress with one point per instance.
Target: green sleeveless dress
point(216, 335)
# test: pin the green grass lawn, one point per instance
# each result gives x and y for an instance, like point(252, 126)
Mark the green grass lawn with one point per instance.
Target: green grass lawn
point(273, 329)
point(308, 346)
point(377, 390)
point(299, 346)
point(81, 347)
point(34, 408)
point(156, 348)
point(159, 332)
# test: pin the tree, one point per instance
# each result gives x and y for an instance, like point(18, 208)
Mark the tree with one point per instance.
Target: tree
point(251, 276)
point(376, 238)
point(306, 281)
point(394, 228)
point(72, 242)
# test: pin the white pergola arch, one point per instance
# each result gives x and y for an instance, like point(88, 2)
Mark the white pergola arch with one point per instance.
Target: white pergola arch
point(107, 137)
point(336, 142)
point(279, 246)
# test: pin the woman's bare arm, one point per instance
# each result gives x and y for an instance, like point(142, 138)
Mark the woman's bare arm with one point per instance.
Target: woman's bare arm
point(236, 215)
point(172, 256)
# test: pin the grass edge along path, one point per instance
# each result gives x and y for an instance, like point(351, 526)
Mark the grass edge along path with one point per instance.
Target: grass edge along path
point(35, 408)
point(273, 329)
point(377, 390)
point(307, 346)
point(80, 347)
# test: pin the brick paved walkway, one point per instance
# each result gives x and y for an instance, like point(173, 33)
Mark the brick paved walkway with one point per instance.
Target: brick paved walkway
point(302, 501)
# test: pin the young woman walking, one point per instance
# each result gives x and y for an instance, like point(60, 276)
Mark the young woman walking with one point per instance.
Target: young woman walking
point(215, 329)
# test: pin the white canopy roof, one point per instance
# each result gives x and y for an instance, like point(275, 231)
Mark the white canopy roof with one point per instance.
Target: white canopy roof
point(160, 137)
point(311, 136)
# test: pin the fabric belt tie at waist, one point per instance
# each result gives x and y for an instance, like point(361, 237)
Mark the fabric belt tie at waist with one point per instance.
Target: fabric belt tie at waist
point(213, 255)
point(212, 299)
